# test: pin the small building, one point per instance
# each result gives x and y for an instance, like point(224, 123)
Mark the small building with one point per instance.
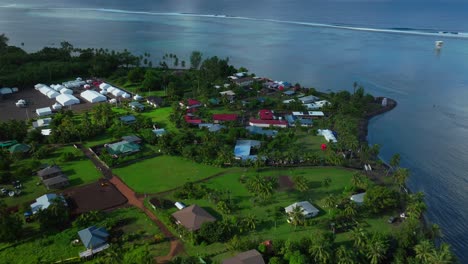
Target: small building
point(229, 94)
point(122, 148)
point(154, 101)
point(19, 148)
point(193, 217)
point(191, 119)
point(218, 118)
point(308, 99)
point(94, 239)
point(289, 93)
point(57, 182)
point(304, 122)
point(246, 81)
point(136, 106)
point(358, 198)
point(67, 99)
point(327, 134)
point(316, 114)
point(159, 132)
point(179, 205)
point(43, 202)
point(243, 149)
point(247, 257)
point(50, 172)
point(42, 122)
point(45, 111)
point(190, 103)
point(132, 139)
point(308, 210)
point(265, 114)
point(260, 131)
point(129, 119)
point(211, 127)
point(8, 143)
point(268, 123)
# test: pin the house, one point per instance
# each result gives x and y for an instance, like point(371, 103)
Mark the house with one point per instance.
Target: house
point(268, 123)
point(218, 118)
point(260, 131)
point(129, 119)
point(42, 122)
point(136, 106)
point(45, 111)
point(57, 182)
point(308, 99)
point(191, 119)
point(327, 134)
point(229, 94)
point(317, 105)
point(19, 148)
point(289, 93)
point(154, 101)
point(159, 132)
point(122, 148)
point(43, 202)
point(211, 127)
point(191, 103)
point(8, 143)
point(316, 114)
point(246, 81)
point(247, 257)
point(243, 149)
point(93, 237)
point(308, 210)
point(358, 198)
point(304, 122)
point(192, 217)
point(266, 114)
point(214, 101)
point(50, 172)
point(132, 139)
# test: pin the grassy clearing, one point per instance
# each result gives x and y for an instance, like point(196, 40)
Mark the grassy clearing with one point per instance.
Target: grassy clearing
point(311, 142)
point(80, 171)
point(49, 248)
point(268, 228)
point(163, 173)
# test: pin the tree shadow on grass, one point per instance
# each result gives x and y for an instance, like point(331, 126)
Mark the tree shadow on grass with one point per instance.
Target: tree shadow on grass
point(76, 181)
point(69, 172)
point(212, 212)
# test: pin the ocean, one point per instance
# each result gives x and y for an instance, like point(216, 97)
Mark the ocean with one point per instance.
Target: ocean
point(386, 46)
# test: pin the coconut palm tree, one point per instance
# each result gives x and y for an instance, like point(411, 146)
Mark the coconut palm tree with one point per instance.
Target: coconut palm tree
point(250, 222)
point(350, 210)
point(358, 180)
point(424, 251)
point(400, 177)
point(376, 248)
point(360, 237)
point(321, 250)
point(435, 232)
point(330, 201)
point(443, 255)
point(296, 216)
point(344, 255)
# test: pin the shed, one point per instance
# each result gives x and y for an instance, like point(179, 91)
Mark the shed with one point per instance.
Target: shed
point(67, 99)
point(129, 119)
point(44, 111)
point(358, 198)
point(93, 96)
point(193, 217)
point(179, 205)
point(42, 122)
point(159, 132)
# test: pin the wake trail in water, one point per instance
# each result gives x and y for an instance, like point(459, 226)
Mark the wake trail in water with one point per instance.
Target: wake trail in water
point(405, 31)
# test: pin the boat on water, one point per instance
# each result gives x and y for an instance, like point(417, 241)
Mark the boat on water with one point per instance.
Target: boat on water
point(438, 44)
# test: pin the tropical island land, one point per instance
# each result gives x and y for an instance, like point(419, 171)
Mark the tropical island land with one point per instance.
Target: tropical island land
point(194, 162)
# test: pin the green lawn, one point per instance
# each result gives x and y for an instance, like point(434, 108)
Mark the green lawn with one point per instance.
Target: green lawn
point(268, 229)
point(163, 173)
point(80, 171)
point(45, 248)
point(310, 141)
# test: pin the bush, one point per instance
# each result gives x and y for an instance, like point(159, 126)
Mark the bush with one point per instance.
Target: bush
point(67, 156)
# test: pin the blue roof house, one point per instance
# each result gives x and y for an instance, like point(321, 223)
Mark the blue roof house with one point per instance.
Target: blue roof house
point(44, 202)
point(93, 237)
point(242, 150)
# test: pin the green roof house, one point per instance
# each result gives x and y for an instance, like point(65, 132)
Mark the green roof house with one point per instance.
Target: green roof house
point(9, 143)
point(122, 148)
point(19, 148)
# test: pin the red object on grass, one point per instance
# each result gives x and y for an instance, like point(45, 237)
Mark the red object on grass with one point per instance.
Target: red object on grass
point(324, 146)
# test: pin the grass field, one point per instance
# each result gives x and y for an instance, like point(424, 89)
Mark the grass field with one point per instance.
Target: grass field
point(311, 142)
point(268, 229)
point(163, 173)
point(79, 171)
point(55, 247)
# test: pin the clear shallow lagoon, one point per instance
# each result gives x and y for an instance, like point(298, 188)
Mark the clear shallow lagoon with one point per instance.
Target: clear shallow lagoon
point(429, 128)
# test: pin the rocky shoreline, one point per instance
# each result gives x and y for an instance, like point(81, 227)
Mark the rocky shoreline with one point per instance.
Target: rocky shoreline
point(364, 123)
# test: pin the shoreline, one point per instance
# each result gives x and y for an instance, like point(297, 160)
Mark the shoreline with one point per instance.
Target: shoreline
point(364, 123)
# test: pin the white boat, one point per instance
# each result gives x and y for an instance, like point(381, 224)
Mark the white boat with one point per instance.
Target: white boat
point(438, 44)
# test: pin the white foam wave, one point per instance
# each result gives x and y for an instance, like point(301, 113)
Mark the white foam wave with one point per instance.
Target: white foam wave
point(440, 34)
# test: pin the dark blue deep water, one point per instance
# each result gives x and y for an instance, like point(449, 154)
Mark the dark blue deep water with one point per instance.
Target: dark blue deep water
point(387, 46)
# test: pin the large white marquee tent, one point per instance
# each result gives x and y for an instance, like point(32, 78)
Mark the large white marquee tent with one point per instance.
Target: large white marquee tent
point(67, 99)
point(93, 96)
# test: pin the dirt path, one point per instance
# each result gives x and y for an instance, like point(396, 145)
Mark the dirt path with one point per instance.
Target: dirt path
point(177, 247)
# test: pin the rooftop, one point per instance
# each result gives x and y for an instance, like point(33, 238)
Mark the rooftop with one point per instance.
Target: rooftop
point(193, 217)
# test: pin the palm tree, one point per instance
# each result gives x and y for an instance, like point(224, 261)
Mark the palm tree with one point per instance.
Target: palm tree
point(394, 162)
point(330, 201)
point(376, 248)
point(296, 216)
point(326, 182)
point(350, 210)
point(424, 251)
point(400, 177)
point(250, 222)
point(343, 255)
point(358, 180)
point(321, 251)
point(360, 238)
point(435, 232)
point(442, 256)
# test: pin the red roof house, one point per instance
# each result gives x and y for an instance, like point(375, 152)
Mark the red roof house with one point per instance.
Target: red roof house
point(191, 103)
point(265, 114)
point(192, 120)
point(224, 117)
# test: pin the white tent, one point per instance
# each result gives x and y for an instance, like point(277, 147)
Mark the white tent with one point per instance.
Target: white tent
point(66, 91)
point(5, 91)
point(67, 99)
point(110, 89)
point(56, 106)
point(39, 85)
point(126, 95)
point(52, 94)
point(44, 111)
point(104, 86)
point(104, 92)
point(137, 97)
point(117, 92)
point(93, 96)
